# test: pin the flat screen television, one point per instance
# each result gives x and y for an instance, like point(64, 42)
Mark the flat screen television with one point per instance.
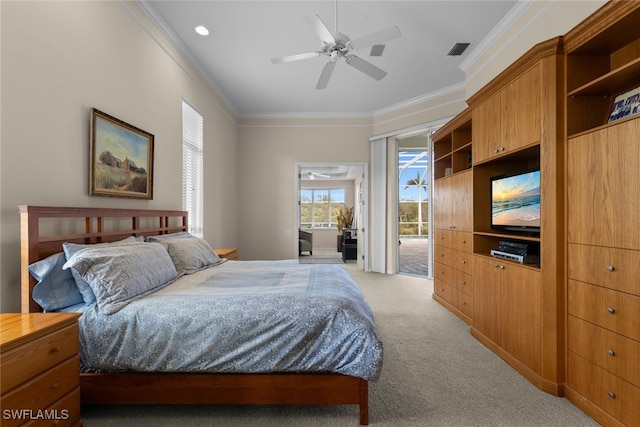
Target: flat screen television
point(515, 202)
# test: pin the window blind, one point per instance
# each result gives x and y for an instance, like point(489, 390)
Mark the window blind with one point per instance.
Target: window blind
point(192, 167)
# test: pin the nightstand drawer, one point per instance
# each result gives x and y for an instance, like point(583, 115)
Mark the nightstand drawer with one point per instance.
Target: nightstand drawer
point(34, 357)
point(64, 412)
point(42, 391)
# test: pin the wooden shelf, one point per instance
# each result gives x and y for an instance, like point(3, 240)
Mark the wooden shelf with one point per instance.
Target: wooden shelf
point(452, 146)
point(603, 61)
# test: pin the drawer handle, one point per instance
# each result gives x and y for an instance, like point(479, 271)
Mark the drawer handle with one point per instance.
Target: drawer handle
point(611, 395)
point(501, 267)
point(55, 386)
point(463, 282)
point(610, 268)
point(464, 303)
point(54, 349)
point(464, 241)
point(611, 310)
point(496, 265)
point(464, 262)
point(611, 352)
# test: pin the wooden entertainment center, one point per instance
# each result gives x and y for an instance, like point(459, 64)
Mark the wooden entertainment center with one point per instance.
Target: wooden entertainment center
point(570, 325)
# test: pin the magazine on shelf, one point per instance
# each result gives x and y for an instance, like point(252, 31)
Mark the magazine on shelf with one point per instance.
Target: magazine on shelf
point(625, 105)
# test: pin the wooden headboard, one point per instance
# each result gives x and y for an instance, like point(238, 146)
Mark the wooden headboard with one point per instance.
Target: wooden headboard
point(43, 230)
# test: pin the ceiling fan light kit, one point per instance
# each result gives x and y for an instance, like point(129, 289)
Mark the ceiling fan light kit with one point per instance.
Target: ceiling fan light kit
point(337, 45)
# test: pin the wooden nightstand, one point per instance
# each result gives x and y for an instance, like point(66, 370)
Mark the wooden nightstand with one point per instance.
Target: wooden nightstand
point(39, 369)
point(228, 253)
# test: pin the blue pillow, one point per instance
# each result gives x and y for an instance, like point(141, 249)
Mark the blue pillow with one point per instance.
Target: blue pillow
point(83, 287)
point(56, 288)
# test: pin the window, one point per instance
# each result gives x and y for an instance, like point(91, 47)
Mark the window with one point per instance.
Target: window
point(319, 206)
point(192, 167)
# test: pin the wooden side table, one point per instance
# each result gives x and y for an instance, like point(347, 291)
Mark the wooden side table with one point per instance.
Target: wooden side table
point(228, 253)
point(39, 368)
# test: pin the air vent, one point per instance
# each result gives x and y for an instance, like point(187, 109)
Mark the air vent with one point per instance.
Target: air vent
point(458, 49)
point(376, 50)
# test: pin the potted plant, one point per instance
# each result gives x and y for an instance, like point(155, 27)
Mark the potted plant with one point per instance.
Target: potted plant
point(344, 219)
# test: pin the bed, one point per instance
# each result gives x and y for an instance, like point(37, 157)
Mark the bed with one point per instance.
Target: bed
point(243, 376)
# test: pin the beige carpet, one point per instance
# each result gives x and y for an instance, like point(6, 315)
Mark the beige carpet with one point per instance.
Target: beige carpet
point(434, 374)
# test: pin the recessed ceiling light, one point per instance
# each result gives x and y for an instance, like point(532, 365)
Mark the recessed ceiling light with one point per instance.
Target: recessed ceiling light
point(202, 30)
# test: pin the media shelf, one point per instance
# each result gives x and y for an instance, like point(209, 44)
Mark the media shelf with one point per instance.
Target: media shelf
point(484, 243)
point(601, 64)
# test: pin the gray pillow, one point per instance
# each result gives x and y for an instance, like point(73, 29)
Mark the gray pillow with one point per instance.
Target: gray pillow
point(83, 287)
point(190, 254)
point(161, 237)
point(119, 274)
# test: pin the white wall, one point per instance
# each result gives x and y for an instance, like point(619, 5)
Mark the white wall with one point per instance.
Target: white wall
point(266, 175)
point(59, 59)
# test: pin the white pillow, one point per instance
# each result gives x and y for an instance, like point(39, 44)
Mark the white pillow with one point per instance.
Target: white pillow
point(119, 274)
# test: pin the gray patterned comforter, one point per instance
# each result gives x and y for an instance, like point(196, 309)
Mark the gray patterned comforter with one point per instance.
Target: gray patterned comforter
point(240, 317)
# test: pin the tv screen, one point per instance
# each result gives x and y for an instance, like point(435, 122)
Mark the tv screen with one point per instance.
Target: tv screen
point(515, 202)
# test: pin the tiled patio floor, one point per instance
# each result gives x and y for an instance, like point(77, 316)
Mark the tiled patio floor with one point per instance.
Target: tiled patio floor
point(413, 256)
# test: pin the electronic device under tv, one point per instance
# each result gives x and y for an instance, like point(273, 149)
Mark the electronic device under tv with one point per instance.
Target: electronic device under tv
point(515, 202)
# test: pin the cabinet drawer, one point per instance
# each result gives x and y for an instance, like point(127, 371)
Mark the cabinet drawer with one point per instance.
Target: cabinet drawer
point(464, 282)
point(32, 358)
point(611, 393)
point(44, 389)
point(446, 292)
point(461, 241)
point(443, 237)
point(613, 352)
point(443, 274)
point(612, 268)
point(443, 255)
point(64, 412)
point(610, 309)
point(465, 304)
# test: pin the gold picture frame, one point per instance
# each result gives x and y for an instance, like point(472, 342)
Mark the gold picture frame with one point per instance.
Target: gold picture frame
point(121, 158)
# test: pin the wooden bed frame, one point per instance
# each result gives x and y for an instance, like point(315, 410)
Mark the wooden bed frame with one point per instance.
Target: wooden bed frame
point(98, 225)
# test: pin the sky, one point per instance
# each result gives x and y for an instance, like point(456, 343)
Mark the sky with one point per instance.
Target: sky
point(410, 172)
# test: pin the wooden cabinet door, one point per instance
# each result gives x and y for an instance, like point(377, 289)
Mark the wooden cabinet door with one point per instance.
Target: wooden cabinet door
point(486, 297)
point(442, 203)
point(520, 105)
point(520, 314)
point(603, 184)
point(486, 129)
point(462, 201)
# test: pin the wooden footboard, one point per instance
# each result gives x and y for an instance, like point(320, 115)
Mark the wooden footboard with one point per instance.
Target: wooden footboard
point(249, 389)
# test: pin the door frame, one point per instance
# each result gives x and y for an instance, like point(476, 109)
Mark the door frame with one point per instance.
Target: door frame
point(360, 198)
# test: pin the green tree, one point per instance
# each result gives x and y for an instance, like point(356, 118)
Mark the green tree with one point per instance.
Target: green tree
point(421, 184)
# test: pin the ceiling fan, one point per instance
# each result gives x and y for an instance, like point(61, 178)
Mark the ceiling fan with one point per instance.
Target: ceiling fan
point(336, 45)
point(313, 175)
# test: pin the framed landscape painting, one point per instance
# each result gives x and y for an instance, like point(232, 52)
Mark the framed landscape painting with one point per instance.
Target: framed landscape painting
point(121, 159)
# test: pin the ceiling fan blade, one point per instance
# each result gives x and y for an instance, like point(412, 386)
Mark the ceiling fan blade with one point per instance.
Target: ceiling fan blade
point(323, 32)
point(366, 67)
point(297, 57)
point(380, 37)
point(323, 81)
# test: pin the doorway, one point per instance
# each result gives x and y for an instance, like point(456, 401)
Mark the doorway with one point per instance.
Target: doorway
point(414, 213)
point(324, 190)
